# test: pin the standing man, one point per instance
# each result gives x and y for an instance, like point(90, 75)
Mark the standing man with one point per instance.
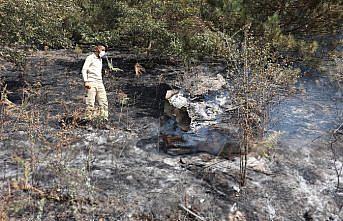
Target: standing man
point(92, 76)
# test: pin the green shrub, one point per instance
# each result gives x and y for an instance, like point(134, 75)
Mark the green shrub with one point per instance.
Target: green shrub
point(38, 23)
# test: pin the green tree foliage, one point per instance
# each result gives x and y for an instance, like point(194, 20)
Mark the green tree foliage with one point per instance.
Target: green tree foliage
point(36, 22)
point(189, 28)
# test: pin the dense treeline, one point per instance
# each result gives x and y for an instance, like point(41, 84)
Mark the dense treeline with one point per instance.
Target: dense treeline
point(181, 27)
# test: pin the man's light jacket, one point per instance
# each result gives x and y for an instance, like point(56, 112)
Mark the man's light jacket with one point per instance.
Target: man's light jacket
point(91, 70)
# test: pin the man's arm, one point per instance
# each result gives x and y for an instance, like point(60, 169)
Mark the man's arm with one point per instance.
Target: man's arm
point(85, 68)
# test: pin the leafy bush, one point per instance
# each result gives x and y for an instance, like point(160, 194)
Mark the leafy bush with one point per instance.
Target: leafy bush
point(184, 28)
point(38, 23)
point(139, 34)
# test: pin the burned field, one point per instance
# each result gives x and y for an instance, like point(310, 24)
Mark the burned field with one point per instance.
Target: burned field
point(149, 164)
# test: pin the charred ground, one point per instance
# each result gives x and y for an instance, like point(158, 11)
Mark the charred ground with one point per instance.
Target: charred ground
point(49, 172)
